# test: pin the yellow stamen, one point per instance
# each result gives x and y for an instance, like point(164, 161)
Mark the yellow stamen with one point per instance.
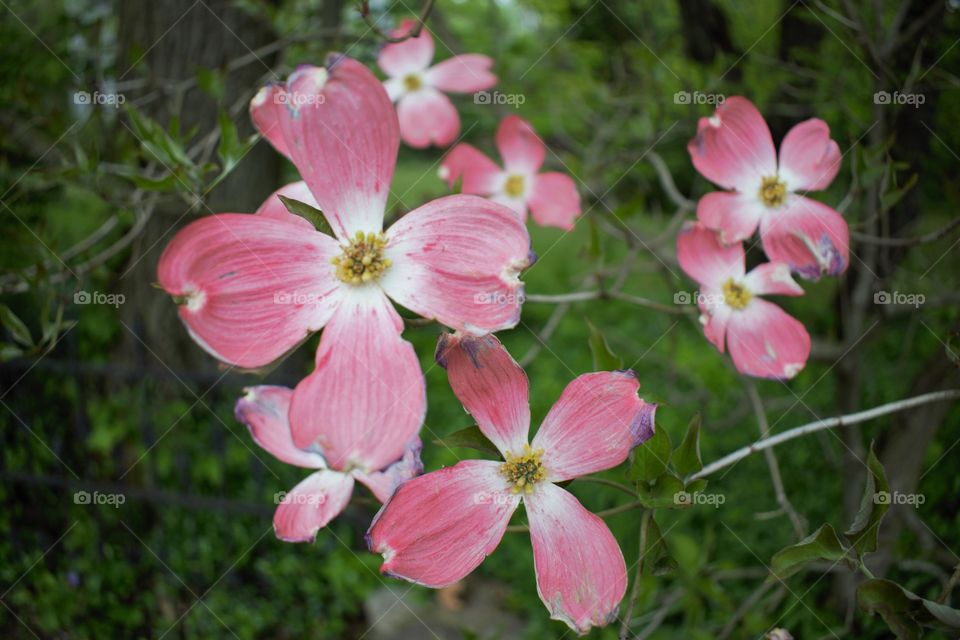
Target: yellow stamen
point(735, 295)
point(525, 470)
point(773, 192)
point(514, 186)
point(412, 82)
point(363, 259)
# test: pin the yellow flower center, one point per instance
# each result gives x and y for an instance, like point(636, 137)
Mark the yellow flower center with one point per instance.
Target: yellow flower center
point(514, 186)
point(735, 295)
point(772, 192)
point(362, 260)
point(525, 470)
point(412, 82)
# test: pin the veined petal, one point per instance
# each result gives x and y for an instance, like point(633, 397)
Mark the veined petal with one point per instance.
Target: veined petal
point(265, 411)
point(734, 148)
point(807, 235)
point(554, 200)
point(491, 385)
point(439, 527)
point(705, 259)
point(772, 278)
point(310, 505)
point(427, 117)
point(766, 342)
point(581, 574)
point(465, 73)
point(366, 399)
point(594, 425)
point(273, 207)
point(733, 215)
point(479, 174)
point(520, 147)
point(809, 159)
point(413, 54)
point(267, 110)
point(252, 287)
point(457, 259)
point(715, 325)
point(383, 483)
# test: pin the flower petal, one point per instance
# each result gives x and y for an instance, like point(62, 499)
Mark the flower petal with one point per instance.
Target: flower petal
point(267, 110)
point(809, 236)
point(733, 215)
point(520, 147)
point(341, 132)
point(439, 527)
point(594, 425)
point(705, 259)
point(383, 483)
point(714, 321)
point(734, 148)
point(365, 401)
point(581, 574)
point(772, 278)
point(273, 207)
point(264, 409)
point(809, 159)
point(491, 385)
point(465, 73)
point(310, 505)
point(427, 117)
point(554, 201)
point(253, 286)
point(479, 174)
point(766, 342)
point(411, 55)
point(457, 259)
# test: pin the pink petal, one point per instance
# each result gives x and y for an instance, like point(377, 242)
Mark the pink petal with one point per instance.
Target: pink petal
point(465, 73)
point(383, 483)
point(439, 527)
point(310, 505)
point(581, 574)
point(772, 278)
point(253, 287)
point(517, 205)
point(272, 207)
point(411, 55)
point(809, 236)
point(491, 385)
point(705, 259)
point(457, 259)
point(764, 341)
point(734, 148)
point(714, 323)
point(594, 425)
point(734, 215)
point(341, 132)
point(520, 147)
point(267, 110)
point(809, 159)
point(365, 401)
point(478, 174)
point(554, 201)
point(264, 410)
point(427, 117)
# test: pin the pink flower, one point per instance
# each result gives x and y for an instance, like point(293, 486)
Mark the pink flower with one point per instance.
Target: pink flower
point(252, 287)
point(321, 497)
point(427, 115)
point(763, 340)
point(439, 527)
point(552, 196)
point(734, 149)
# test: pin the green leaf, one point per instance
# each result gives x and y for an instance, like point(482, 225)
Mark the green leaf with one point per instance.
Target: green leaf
point(863, 533)
point(666, 492)
point(686, 458)
point(890, 199)
point(822, 544)
point(311, 214)
point(18, 330)
point(469, 438)
point(651, 458)
point(604, 359)
point(231, 148)
point(904, 611)
point(656, 556)
point(211, 82)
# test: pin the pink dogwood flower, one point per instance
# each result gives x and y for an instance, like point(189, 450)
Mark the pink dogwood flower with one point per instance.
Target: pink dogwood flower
point(763, 340)
point(734, 149)
point(426, 114)
point(552, 197)
point(321, 497)
point(439, 527)
point(252, 287)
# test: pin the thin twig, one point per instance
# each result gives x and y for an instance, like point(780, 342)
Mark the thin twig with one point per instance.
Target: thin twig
point(638, 576)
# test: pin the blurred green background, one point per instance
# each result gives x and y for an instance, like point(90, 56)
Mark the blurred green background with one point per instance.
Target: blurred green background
point(116, 399)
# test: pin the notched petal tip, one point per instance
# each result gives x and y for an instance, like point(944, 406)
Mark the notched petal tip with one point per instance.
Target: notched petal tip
point(644, 423)
point(333, 60)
